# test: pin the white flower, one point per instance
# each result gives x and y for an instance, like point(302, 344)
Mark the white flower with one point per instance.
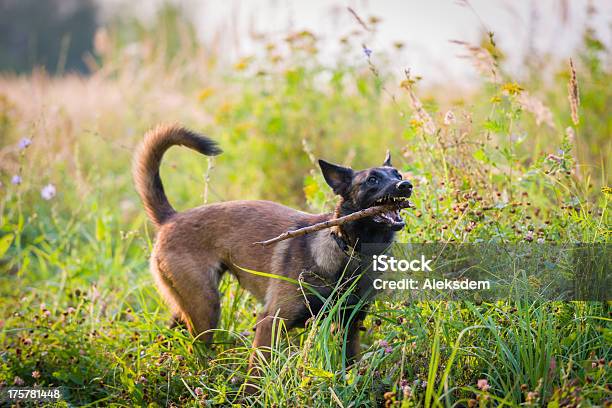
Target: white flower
point(48, 192)
point(24, 143)
point(16, 180)
point(449, 118)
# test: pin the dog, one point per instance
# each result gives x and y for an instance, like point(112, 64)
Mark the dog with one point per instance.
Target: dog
point(194, 248)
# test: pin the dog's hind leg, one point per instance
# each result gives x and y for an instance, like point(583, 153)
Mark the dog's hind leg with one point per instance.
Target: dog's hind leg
point(191, 289)
point(176, 321)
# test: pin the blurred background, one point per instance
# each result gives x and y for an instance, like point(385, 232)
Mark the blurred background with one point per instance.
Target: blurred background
point(497, 111)
point(59, 34)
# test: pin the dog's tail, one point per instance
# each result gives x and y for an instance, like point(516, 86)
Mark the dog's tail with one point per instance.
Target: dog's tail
point(148, 159)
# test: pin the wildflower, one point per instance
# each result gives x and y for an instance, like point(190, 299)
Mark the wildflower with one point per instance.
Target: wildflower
point(198, 391)
point(24, 143)
point(367, 51)
point(36, 374)
point(532, 396)
point(449, 118)
point(205, 94)
point(16, 180)
point(48, 192)
point(18, 381)
point(374, 20)
point(415, 123)
point(406, 391)
point(388, 350)
point(535, 106)
point(573, 95)
point(482, 60)
point(416, 105)
point(483, 384)
point(383, 343)
point(529, 236)
point(242, 64)
point(359, 19)
point(552, 157)
point(512, 88)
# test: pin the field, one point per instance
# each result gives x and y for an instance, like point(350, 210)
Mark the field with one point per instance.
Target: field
point(509, 162)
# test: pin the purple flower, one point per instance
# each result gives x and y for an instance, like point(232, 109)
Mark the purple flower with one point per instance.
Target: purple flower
point(16, 180)
point(24, 143)
point(388, 350)
point(383, 343)
point(48, 192)
point(367, 51)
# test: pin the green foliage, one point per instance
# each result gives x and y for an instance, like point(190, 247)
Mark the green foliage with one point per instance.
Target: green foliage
point(78, 308)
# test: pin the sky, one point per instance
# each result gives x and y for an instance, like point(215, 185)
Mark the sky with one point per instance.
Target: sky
point(424, 26)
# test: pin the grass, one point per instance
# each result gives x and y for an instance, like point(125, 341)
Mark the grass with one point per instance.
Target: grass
point(78, 307)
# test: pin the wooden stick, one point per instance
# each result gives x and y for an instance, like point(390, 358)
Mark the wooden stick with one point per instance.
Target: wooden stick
point(368, 212)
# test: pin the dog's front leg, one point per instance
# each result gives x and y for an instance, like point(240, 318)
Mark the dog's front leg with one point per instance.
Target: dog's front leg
point(263, 338)
point(261, 346)
point(353, 343)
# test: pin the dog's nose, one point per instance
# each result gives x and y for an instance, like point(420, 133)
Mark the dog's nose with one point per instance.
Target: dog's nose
point(404, 186)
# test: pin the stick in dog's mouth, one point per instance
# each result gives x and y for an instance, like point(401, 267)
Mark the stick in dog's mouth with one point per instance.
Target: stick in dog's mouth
point(391, 217)
point(394, 207)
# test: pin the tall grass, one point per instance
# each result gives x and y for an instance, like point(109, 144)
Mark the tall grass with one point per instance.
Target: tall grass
point(504, 164)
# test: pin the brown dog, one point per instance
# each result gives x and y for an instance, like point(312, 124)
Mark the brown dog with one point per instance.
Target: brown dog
point(196, 247)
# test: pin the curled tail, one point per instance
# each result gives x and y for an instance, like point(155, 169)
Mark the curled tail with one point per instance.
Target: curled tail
point(148, 159)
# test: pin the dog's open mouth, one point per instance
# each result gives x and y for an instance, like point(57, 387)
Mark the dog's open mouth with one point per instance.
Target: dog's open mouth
point(391, 218)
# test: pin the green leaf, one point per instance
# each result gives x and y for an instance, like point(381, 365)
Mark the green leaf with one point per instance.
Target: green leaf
point(100, 229)
point(319, 372)
point(5, 243)
point(480, 155)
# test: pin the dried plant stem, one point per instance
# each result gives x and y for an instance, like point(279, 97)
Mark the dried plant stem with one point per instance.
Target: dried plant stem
point(368, 212)
point(573, 94)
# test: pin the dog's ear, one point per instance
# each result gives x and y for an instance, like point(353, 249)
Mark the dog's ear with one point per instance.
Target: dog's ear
point(387, 162)
point(339, 178)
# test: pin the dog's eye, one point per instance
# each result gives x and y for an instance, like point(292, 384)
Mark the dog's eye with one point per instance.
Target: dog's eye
point(372, 180)
point(398, 174)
